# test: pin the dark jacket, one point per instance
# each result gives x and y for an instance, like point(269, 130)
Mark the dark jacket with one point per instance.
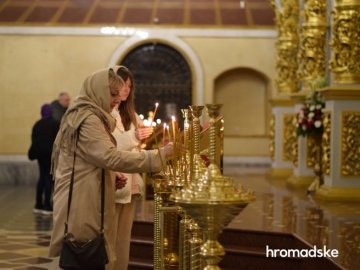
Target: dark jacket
point(42, 139)
point(57, 110)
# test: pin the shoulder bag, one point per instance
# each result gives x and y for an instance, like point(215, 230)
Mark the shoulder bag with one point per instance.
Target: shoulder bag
point(84, 255)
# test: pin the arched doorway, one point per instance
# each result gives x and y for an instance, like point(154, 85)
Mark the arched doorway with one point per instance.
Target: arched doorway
point(245, 95)
point(161, 75)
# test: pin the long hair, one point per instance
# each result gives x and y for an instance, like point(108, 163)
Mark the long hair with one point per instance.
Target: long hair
point(127, 107)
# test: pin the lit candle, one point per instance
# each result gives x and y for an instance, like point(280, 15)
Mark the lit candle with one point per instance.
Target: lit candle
point(156, 106)
point(164, 127)
point(173, 126)
point(168, 132)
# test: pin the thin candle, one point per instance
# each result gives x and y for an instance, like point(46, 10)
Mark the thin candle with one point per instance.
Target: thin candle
point(173, 126)
point(168, 132)
point(162, 163)
point(156, 107)
point(163, 133)
point(151, 120)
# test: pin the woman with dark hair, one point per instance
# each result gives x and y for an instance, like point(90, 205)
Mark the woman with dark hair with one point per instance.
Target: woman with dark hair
point(129, 132)
point(85, 133)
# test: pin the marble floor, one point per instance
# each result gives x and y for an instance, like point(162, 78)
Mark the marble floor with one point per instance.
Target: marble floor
point(24, 237)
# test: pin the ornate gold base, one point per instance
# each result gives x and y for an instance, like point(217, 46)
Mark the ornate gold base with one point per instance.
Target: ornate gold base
point(346, 78)
point(299, 181)
point(280, 173)
point(282, 102)
point(338, 194)
point(341, 92)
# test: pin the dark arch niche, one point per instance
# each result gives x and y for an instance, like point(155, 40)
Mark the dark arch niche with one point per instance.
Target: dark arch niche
point(161, 75)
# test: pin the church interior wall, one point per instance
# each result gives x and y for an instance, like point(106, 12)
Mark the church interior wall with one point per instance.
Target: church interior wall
point(35, 68)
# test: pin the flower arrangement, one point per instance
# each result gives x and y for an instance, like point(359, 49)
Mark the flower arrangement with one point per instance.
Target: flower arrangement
point(310, 116)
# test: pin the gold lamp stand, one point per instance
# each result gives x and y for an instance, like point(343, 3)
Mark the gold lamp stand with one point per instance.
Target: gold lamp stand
point(211, 199)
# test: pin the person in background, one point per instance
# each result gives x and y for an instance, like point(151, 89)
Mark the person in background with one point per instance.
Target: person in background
point(129, 132)
point(42, 139)
point(60, 105)
point(85, 133)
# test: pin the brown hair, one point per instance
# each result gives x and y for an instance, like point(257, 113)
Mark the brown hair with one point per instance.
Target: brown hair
point(115, 81)
point(127, 107)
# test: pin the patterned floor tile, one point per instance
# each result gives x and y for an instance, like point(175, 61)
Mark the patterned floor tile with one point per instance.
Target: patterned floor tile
point(35, 260)
point(9, 265)
point(11, 255)
point(24, 237)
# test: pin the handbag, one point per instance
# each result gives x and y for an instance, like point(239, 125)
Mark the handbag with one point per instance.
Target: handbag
point(84, 255)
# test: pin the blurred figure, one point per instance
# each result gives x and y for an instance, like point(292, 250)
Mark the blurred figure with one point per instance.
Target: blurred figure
point(42, 139)
point(60, 106)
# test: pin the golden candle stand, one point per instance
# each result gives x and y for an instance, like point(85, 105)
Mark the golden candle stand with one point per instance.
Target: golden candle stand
point(204, 194)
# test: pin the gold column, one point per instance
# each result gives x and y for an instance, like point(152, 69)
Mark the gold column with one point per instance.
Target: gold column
point(287, 20)
point(342, 172)
point(312, 67)
point(312, 49)
point(345, 42)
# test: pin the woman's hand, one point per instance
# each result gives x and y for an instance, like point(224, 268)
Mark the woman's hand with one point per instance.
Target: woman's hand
point(142, 133)
point(169, 148)
point(120, 180)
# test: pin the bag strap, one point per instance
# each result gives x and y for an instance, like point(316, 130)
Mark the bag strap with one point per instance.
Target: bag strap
point(71, 190)
point(102, 200)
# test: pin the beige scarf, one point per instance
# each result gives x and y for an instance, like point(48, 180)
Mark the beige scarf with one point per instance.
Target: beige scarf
point(94, 98)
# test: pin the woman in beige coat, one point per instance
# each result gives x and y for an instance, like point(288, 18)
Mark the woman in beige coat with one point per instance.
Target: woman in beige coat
point(89, 120)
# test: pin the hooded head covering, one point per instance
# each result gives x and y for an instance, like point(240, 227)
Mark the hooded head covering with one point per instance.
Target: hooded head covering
point(46, 111)
point(94, 98)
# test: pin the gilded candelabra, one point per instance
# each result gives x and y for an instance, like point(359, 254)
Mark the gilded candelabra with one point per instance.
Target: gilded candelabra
point(211, 199)
point(166, 224)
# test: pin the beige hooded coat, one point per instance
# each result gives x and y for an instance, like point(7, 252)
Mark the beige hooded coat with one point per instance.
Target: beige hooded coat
point(89, 118)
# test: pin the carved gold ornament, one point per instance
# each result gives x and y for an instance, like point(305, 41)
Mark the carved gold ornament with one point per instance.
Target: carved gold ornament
point(350, 144)
point(287, 20)
point(326, 143)
point(290, 145)
point(272, 137)
point(345, 41)
point(312, 42)
point(311, 152)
